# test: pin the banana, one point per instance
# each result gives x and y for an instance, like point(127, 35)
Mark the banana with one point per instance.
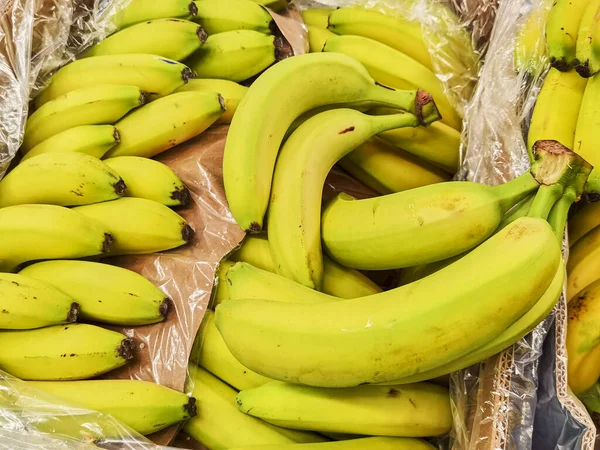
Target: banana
point(33, 232)
point(530, 45)
point(94, 105)
point(152, 74)
point(395, 69)
point(174, 39)
point(93, 140)
point(317, 17)
point(140, 226)
point(231, 92)
point(166, 123)
point(275, 5)
point(27, 303)
point(64, 179)
point(63, 352)
point(317, 38)
point(144, 10)
point(583, 221)
point(218, 16)
point(586, 131)
point(396, 32)
point(285, 91)
point(415, 410)
point(235, 55)
point(149, 179)
point(104, 293)
point(372, 443)
point(338, 281)
point(562, 27)
point(143, 406)
point(220, 291)
point(584, 263)
point(386, 169)
point(585, 57)
point(439, 221)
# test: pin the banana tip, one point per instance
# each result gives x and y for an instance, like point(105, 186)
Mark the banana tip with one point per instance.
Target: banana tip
point(120, 188)
point(193, 9)
point(125, 350)
point(583, 69)
point(254, 228)
point(164, 307)
point(425, 108)
point(107, 243)
point(559, 64)
point(181, 195)
point(73, 312)
point(116, 136)
point(187, 233)
point(190, 407)
point(187, 74)
point(202, 34)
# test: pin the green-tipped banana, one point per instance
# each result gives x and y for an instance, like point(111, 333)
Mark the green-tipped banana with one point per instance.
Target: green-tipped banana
point(143, 406)
point(63, 352)
point(231, 92)
point(372, 443)
point(166, 123)
point(105, 293)
point(64, 179)
point(317, 38)
point(143, 10)
point(562, 28)
point(217, 16)
point(317, 17)
point(149, 179)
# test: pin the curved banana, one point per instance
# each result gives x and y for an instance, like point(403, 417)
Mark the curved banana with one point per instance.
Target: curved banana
point(64, 179)
point(585, 57)
point(317, 17)
point(317, 38)
point(562, 27)
point(217, 16)
point(235, 55)
point(586, 132)
point(372, 443)
point(140, 226)
point(63, 352)
point(285, 91)
point(403, 35)
point(104, 293)
point(149, 179)
point(530, 45)
point(143, 406)
point(27, 303)
point(583, 221)
point(583, 265)
point(166, 123)
point(439, 221)
point(155, 75)
point(95, 105)
point(93, 140)
point(174, 39)
point(414, 410)
point(33, 232)
point(395, 69)
point(231, 92)
point(143, 10)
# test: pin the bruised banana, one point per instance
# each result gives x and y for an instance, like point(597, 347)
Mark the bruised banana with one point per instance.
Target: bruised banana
point(587, 61)
point(586, 132)
point(372, 443)
point(63, 352)
point(317, 38)
point(584, 221)
point(280, 95)
point(104, 293)
point(218, 16)
point(562, 28)
point(144, 10)
point(231, 92)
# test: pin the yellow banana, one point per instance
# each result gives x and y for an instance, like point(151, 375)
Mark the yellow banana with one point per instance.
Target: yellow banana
point(149, 179)
point(63, 352)
point(372, 443)
point(231, 92)
point(64, 179)
point(285, 91)
point(583, 221)
point(95, 105)
point(218, 16)
point(317, 17)
point(166, 123)
point(93, 140)
point(138, 11)
point(28, 303)
point(104, 293)
point(317, 38)
point(174, 39)
point(530, 45)
point(220, 291)
point(140, 226)
point(584, 263)
point(155, 75)
point(586, 132)
point(562, 27)
point(586, 61)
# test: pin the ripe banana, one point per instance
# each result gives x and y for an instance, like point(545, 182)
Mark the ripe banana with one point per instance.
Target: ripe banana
point(584, 221)
point(231, 92)
point(411, 410)
point(372, 443)
point(95, 105)
point(396, 32)
point(27, 303)
point(217, 16)
point(287, 90)
point(174, 39)
point(140, 226)
point(562, 27)
point(403, 331)
point(530, 45)
point(586, 132)
point(63, 352)
point(395, 69)
point(149, 179)
point(220, 291)
point(317, 38)
point(585, 55)
point(64, 179)
point(386, 169)
point(439, 221)
point(317, 17)
point(143, 406)
point(143, 10)
point(93, 140)
point(584, 263)
point(33, 232)
point(235, 55)
point(104, 293)
point(338, 281)
point(153, 74)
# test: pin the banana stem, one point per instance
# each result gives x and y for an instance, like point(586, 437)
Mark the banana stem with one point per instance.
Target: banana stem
point(521, 209)
point(545, 199)
point(417, 102)
point(559, 212)
point(516, 190)
point(393, 121)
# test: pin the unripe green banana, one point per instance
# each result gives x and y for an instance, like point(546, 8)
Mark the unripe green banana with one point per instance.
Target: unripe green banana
point(105, 293)
point(93, 140)
point(63, 352)
point(584, 221)
point(64, 179)
point(174, 39)
point(143, 10)
point(218, 16)
point(317, 38)
point(317, 17)
point(166, 123)
point(371, 443)
point(562, 27)
point(143, 406)
point(140, 226)
point(149, 179)
point(27, 303)
point(34, 232)
point(94, 105)
point(231, 92)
